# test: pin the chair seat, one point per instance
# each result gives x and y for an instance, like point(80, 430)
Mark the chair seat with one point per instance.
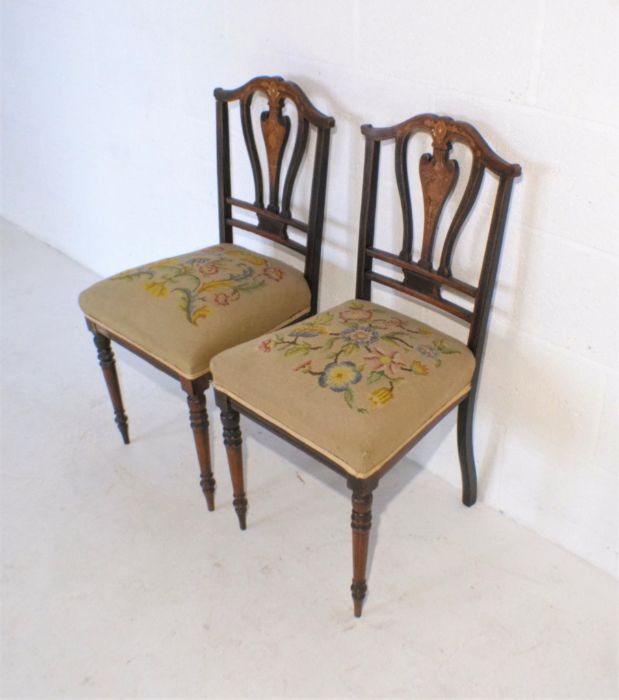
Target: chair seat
point(184, 310)
point(355, 383)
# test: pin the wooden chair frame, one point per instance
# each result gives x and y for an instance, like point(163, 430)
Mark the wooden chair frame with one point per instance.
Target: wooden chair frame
point(438, 174)
point(273, 221)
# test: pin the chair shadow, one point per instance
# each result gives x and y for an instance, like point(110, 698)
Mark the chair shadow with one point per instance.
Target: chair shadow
point(396, 481)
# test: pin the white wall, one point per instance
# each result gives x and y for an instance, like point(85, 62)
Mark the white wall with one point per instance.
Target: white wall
point(108, 155)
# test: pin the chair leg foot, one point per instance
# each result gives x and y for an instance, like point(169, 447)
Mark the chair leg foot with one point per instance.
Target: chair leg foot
point(465, 451)
point(361, 522)
point(108, 366)
point(198, 419)
point(233, 441)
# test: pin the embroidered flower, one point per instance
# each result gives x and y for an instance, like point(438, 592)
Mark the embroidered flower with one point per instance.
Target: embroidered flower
point(273, 273)
point(419, 368)
point(360, 335)
point(379, 397)
point(428, 351)
point(266, 345)
point(208, 269)
point(354, 314)
point(382, 361)
point(338, 376)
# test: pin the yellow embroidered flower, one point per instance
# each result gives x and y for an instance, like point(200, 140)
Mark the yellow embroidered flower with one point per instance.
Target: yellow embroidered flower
point(379, 397)
point(419, 367)
point(201, 312)
point(157, 289)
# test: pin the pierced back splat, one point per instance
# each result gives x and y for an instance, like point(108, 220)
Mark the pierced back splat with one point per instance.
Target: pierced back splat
point(274, 219)
point(438, 175)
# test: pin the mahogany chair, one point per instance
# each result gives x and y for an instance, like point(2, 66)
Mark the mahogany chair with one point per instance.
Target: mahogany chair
point(359, 384)
point(179, 312)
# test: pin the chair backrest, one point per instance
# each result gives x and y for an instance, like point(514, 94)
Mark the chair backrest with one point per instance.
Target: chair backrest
point(438, 174)
point(274, 218)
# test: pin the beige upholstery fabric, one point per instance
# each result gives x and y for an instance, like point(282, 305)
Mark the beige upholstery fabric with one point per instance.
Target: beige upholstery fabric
point(184, 310)
point(356, 382)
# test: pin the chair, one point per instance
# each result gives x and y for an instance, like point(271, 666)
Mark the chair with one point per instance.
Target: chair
point(179, 312)
point(358, 385)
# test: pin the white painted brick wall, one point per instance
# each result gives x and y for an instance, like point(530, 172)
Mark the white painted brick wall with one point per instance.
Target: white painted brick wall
point(108, 154)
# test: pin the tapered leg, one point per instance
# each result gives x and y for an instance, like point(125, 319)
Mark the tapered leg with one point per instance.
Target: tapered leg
point(361, 523)
point(108, 365)
point(233, 441)
point(198, 420)
point(465, 450)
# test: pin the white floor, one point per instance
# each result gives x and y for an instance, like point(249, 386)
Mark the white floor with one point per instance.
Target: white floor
point(116, 581)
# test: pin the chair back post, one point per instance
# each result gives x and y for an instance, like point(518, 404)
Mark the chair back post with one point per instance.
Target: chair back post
point(316, 215)
point(490, 266)
point(223, 172)
point(438, 174)
point(273, 214)
point(368, 217)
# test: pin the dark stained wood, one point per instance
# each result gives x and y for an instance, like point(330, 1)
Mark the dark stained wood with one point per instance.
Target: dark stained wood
point(361, 523)
point(440, 303)
point(421, 281)
point(108, 366)
point(450, 282)
point(368, 217)
point(468, 200)
point(198, 419)
point(262, 231)
point(279, 218)
point(233, 442)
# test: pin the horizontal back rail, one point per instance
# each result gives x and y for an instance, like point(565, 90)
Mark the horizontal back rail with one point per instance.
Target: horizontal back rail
point(284, 220)
point(439, 302)
point(287, 243)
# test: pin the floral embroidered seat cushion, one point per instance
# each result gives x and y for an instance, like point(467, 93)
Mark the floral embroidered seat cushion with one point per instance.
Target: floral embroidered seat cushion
point(186, 309)
point(356, 382)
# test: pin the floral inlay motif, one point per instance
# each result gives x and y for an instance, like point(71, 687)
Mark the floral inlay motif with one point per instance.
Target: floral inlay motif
point(362, 354)
point(216, 276)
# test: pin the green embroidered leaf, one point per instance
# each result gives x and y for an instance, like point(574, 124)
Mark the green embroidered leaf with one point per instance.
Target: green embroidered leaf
point(437, 362)
point(349, 348)
point(375, 377)
point(322, 319)
point(329, 344)
point(296, 350)
point(355, 305)
point(390, 340)
point(348, 396)
point(362, 410)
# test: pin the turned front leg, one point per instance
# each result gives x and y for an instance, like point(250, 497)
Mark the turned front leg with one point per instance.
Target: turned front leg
point(233, 442)
point(108, 366)
point(198, 419)
point(361, 522)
